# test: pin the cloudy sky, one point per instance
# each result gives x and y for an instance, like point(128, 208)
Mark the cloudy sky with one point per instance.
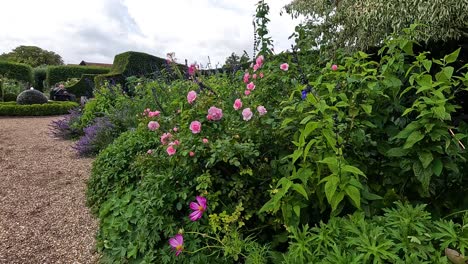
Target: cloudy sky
point(97, 30)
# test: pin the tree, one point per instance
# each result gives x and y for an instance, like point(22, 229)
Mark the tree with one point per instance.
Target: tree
point(363, 24)
point(234, 60)
point(33, 56)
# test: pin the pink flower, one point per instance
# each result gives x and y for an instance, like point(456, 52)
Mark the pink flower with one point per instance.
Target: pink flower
point(198, 208)
point(191, 96)
point(261, 110)
point(246, 92)
point(205, 141)
point(195, 127)
point(334, 67)
point(261, 75)
point(246, 77)
point(247, 114)
point(153, 114)
point(209, 117)
point(179, 111)
point(175, 142)
point(150, 151)
point(256, 67)
point(171, 150)
point(165, 137)
point(153, 125)
point(177, 243)
point(237, 104)
point(215, 113)
point(260, 60)
point(175, 129)
point(284, 66)
point(192, 69)
point(251, 86)
point(191, 153)
point(254, 76)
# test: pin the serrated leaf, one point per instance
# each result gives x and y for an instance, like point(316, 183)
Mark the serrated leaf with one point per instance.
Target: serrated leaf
point(412, 139)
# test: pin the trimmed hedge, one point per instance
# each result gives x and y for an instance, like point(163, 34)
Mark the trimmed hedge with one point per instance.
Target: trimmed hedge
point(84, 87)
point(50, 108)
point(40, 75)
point(16, 71)
point(131, 63)
point(56, 74)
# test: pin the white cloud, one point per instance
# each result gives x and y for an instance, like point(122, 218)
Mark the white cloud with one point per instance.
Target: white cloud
point(97, 30)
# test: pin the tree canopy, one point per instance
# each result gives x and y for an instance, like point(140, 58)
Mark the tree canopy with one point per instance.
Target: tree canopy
point(362, 24)
point(33, 56)
point(234, 60)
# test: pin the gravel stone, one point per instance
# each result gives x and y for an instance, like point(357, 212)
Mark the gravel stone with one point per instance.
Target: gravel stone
point(43, 216)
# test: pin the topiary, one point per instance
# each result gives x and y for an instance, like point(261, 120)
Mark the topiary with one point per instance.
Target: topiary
point(9, 97)
point(31, 96)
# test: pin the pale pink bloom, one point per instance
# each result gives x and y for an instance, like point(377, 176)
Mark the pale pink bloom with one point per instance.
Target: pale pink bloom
point(165, 138)
point(192, 69)
point(256, 67)
point(261, 75)
point(260, 60)
point(246, 92)
point(191, 153)
point(195, 127)
point(177, 243)
point(254, 76)
point(209, 117)
point(153, 125)
point(191, 96)
point(171, 150)
point(150, 151)
point(175, 142)
point(246, 77)
point(247, 114)
point(334, 67)
point(198, 208)
point(153, 114)
point(261, 110)
point(175, 129)
point(215, 113)
point(179, 111)
point(205, 140)
point(237, 104)
point(284, 66)
point(251, 86)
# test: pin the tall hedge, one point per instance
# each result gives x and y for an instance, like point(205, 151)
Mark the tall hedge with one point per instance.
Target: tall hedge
point(40, 75)
point(84, 87)
point(16, 71)
point(131, 63)
point(57, 74)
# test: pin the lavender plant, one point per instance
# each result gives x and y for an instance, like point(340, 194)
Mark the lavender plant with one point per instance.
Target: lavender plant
point(96, 137)
point(65, 128)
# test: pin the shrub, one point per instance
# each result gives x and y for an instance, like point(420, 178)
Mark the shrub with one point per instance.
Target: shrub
point(84, 87)
point(40, 75)
point(96, 137)
point(56, 74)
point(9, 97)
point(50, 108)
point(31, 96)
point(65, 128)
point(16, 71)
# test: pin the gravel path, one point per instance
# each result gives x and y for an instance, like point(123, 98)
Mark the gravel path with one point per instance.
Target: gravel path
point(43, 217)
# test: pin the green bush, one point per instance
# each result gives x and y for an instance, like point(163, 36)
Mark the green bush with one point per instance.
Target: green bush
point(84, 87)
point(56, 74)
point(31, 96)
point(50, 108)
point(9, 97)
point(40, 75)
point(16, 71)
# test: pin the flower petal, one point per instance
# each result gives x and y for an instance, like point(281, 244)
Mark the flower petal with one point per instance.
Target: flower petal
point(201, 201)
point(195, 215)
point(173, 242)
point(194, 206)
point(179, 238)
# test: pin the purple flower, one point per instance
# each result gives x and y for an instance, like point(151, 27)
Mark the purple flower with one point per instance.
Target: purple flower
point(198, 208)
point(177, 243)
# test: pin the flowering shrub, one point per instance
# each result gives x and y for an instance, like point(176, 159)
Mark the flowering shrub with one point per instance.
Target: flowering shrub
point(96, 137)
point(65, 128)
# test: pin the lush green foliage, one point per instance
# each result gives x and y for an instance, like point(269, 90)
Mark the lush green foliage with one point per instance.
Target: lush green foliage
point(16, 71)
point(40, 75)
point(56, 74)
point(83, 87)
point(31, 96)
point(365, 24)
point(33, 56)
point(50, 108)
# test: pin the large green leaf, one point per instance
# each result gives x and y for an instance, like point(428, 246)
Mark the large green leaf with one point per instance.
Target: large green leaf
point(354, 194)
point(425, 158)
point(452, 57)
point(413, 138)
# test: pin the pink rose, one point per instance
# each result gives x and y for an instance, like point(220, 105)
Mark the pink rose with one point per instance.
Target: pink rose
point(153, 125)
point(150, 151)
point(191, 153)
point(215, 113)
point(175, 129)
point(195, 127)
point(175, 142)
point(255, 67)
point(251, 86)
point(237, 104)
point(171, 150)
point(261, 110)
point(254, 76)
point(247, 114)
point(192, 69)
point(191, 96)
point(153, 114)
point(261, 75)
point(205, 141)
point(284, 66)
point(246, 77)
point(246, 92)
point(334, 67)
point(165, 138)
point(260, 60)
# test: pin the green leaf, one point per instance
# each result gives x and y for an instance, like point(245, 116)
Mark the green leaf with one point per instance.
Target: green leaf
point(437, 167)
point(336, 200)
point(310, 127)
point(427, 65)
point(397, 152)
point(412, 139)
point(448, 71)
point(425, 80)
point(297, 210)
point(352, 169)
point(423, 175)
point(439, 112)
point(330, 186)
point(452, 57)
point(300, 189)
point(367, 108)
point(425, 158)
point(354, 194)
